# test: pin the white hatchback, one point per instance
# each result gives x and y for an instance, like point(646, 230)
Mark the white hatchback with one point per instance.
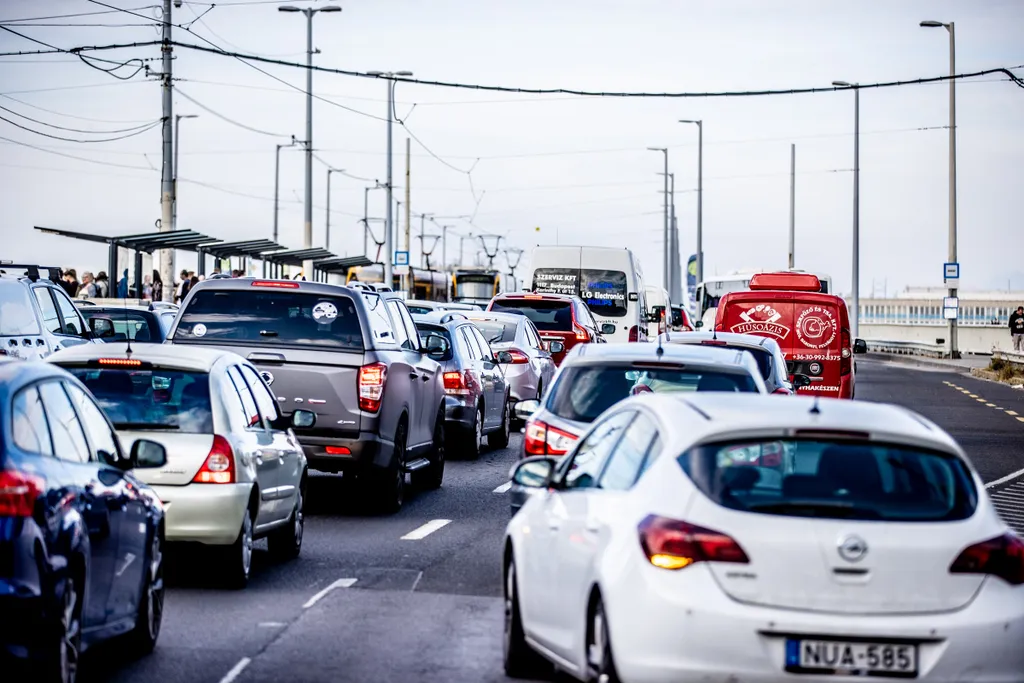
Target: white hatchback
point(747, 538)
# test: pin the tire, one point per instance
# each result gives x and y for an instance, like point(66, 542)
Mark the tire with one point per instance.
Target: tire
point(430, 478)
point(600, 662)
point(499, 439)
point(521, 660)
point(143, 637)
point(286, 543)
point(236, 563)
point(474, 439)
point(61, 653)
point(387, 486)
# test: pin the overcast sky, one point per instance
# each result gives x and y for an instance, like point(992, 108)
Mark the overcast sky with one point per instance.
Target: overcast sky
point(577, 168)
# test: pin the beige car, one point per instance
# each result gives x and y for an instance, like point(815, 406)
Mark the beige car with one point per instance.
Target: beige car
point(235, 471)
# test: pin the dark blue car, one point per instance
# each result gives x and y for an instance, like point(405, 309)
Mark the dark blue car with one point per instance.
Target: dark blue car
point(81, 539)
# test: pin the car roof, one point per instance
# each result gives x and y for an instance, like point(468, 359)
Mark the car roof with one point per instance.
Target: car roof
point(715, 415)
point(497, 316)
point(194, 358)
point(537, 295)
point(598, 353)
point(441, 318)
point(17, 373)
point(732, 339)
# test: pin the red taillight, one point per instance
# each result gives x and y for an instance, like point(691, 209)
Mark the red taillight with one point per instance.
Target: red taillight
point(455, 382)
point(634, 333)
point(219, 467)
point(784, 391)
point(541, 438)
point(337, 450)
point(845, 356)
point(120, 362)
point(371, 386)
point(1002, 556)
point(672, 544)
point(518, 357)
point(279, 284)
point(18, 493)
point(581, 333)
point(713, 342)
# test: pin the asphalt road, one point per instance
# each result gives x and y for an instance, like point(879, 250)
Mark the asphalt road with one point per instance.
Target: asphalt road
point(365, 605)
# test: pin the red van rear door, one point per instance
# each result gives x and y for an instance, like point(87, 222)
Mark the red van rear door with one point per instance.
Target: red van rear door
point(816, 345)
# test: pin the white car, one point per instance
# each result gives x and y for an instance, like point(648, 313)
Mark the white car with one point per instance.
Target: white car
point(749, 538)
point(235, 471)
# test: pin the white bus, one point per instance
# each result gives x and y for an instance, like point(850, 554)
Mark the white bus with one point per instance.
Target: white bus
point(714, 288)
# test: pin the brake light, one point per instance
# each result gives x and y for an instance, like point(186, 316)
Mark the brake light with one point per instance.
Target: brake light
point(634, 333)
point(540, 438)
point(371, 386)
point(278, 284)
point(120, 362)
point(1002, 556)
point(672, 544)
point(845, 364)
point(18, 493)
point(518, 357)
point(455, 383)
point(581, 333)
point(714, 342)
point(219, 467)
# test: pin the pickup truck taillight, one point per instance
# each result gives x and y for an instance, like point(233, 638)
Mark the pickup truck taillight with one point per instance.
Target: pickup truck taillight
point(372, 379)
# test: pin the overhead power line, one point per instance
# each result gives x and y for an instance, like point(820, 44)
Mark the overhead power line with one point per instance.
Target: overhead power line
point(225, 118)
point(147, 125)
point(58, 137)
point(85, 60)
point(69, 116)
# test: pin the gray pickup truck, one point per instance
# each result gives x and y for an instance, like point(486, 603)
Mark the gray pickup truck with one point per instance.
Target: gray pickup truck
point(350, 355)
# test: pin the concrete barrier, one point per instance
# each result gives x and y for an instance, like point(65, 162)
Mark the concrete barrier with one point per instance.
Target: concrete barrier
point(976, 339)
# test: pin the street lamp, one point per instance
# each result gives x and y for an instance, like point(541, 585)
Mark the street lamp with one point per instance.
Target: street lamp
point(307, 235)
point(953, 350)
point(277, 179)
point(388, 238)
point(665, 261)
point(700, 195)
point(174, 171)
point(327, 229)
point(856, 201)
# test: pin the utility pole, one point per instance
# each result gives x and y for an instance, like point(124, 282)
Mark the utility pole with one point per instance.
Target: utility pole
point(855, 308)
point(327, 229)
point(177, 140)
point(167, 168)
point(277, 180)
point(792, 205)
point(665, 265)
point(408, 215)
point(700, 195)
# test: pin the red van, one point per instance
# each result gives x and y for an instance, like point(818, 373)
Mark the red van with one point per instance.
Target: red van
point(812, 328)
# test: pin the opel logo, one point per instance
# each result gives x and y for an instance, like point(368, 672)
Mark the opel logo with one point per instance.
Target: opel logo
point(853, 548)
point(268, 377)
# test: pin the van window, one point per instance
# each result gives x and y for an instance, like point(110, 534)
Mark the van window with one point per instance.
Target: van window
point(557, 281)
point(604, 291)
point(548, 315)
point(271, 317)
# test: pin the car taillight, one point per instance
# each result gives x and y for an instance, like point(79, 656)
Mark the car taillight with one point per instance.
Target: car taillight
point(455, 382)
point(1002, 556)
point(277, 284)
point(634, 333)
point(18, 493)
point(371, 386)
point(541, 438)
point(219, 467)
point(784, 391)
point(845, 362)
point(673, 544)
point(581, 333)
point(518, 357)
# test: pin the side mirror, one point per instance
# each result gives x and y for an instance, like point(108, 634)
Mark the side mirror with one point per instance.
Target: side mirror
point(101, 327)
point(556, 347)
point(801, 380)
point(504, 357)
point(699, 324)
point(534, 472)
point(436, 345)
point(860, 346)
point(303, 419)
point(607, 328)
point(524, 410)
point(147, 454)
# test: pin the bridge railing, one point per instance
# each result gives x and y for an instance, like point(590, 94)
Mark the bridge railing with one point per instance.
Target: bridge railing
point(907, 348)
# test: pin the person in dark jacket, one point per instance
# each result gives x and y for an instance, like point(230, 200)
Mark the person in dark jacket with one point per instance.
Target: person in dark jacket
point(102, 285)
point(158, 286)
point(1017, 329)
point(122, 286)
point(70, 282)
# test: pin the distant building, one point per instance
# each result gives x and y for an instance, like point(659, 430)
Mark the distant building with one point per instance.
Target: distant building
point(923, 306)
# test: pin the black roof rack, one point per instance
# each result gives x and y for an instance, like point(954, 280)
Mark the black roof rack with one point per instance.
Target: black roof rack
point(32, 270)
point(448, 317)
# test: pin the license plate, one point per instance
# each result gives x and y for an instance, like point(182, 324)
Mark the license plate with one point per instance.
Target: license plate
point(894, 660)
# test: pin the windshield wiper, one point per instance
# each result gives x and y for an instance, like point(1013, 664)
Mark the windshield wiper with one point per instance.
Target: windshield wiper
point(145, 425)
point(816, 508)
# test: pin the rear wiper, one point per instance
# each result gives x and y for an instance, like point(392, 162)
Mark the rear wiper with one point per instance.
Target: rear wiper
point(268, 333)
point(816, 508)
point(145, 425)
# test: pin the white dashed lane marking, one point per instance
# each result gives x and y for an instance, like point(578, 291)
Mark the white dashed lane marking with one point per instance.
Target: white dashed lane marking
point(236, 670)
point(430, 527)
point(504, 487)
point(340, 583)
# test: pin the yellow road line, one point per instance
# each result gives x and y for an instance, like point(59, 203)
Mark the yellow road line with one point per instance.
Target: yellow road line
point(993, 405)
point(1011, 412)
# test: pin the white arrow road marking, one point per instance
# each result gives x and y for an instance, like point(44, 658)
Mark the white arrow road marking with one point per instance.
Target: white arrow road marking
point(340, 583)
point(425, 530)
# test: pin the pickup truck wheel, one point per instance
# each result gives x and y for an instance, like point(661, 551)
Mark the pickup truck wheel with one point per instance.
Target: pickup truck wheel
point(499, 439)
point(432, 476)
point(387, 486)
point(286, 543)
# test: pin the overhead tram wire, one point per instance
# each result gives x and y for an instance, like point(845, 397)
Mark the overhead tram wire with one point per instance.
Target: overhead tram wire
point(147, 125)
point(69, 116)
point(113, 164)
point(58, 137)
point(85, 60)
point(205, 108)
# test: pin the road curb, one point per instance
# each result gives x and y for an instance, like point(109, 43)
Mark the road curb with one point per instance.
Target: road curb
point(951, 366)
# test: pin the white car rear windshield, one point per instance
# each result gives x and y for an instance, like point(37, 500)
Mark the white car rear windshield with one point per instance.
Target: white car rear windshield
point(834, 480)
point(172, 400)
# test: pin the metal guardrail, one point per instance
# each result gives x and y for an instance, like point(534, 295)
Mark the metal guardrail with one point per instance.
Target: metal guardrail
point(1011, 357)
point(907, 348)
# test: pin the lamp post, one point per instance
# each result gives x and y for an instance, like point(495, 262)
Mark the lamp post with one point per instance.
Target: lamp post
point(327, 229)
point(277, 179)
point(665, 261)
point(700, 195)
point(953, 350)
point(855, 322)
point(307, 234)
point(388, 237)
point(174, 170)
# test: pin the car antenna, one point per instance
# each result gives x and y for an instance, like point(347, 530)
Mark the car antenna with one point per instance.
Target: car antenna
point(127, 330)
point(815, 409)
point(659, 351)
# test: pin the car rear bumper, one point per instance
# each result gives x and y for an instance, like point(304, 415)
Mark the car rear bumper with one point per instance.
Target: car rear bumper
point(522, 383)
point(204, 513)
point(366, 450)
point(664, 630)
point(459, 412)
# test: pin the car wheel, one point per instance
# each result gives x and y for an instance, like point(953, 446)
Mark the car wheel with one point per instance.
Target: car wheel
point(521, 660)
point(237, 561)
point(286, 543)
point(388, 485)
point(475, 438)
point(432, 476)
point(151, 606)
point(499, 439)
point(600, 663)
point(61, 656)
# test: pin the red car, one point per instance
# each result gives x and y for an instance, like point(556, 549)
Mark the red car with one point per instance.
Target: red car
point(558, 317)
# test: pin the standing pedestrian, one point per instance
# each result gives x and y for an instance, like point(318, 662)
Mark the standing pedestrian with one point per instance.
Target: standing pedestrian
point(158, 286)
point(183, 286)
point(87, 290)
point(147, 287)
point(1017, 329)
point(70, 282)
point(102, 285)
point(122, 286)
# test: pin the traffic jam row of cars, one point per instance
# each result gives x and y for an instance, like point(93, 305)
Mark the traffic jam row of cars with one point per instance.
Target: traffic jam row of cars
point(664, 526)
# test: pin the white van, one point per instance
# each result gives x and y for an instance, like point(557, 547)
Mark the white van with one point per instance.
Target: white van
point(657, 306)
point(609, 280)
